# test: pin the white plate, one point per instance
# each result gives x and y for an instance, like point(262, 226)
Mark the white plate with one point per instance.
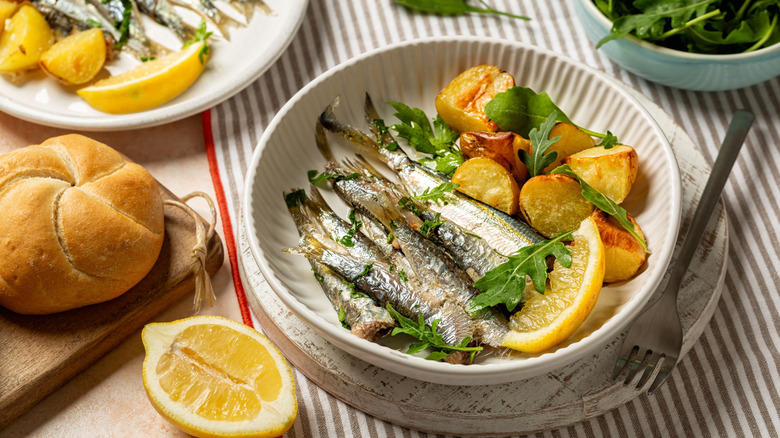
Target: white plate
point(232, 66)
point(413, 73)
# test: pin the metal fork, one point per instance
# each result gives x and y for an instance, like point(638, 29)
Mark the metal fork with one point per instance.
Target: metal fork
point(655, 338)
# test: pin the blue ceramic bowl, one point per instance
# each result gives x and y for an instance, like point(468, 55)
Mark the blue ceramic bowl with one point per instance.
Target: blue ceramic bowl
point(674, 68)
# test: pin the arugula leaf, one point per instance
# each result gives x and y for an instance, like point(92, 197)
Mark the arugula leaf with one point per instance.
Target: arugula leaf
point(540, 142)
point(505, 284)
point(520, 109)
point(453, 7)
point(603, 203)
point(438, 141)
point(428, 336)
point(316, 179)
point(438, 193)
point(700, 26)
point(609, 141)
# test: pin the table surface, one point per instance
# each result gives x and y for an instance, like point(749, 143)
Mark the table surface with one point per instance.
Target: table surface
point(727, 385)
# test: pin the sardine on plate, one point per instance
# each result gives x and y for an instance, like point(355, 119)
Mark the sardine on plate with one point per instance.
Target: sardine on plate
point(503, 232)
point(378, 280)
point(365, 318)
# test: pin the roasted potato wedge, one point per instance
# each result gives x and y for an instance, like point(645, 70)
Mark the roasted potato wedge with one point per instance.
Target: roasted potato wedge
point(487, 181)
point(500, 147)
point(610, 171)
point(553, 204)
point(77, 58)
point(573, 140)
point(624, 255)
point(7, 9)
point(26, 36)
point(461, 104)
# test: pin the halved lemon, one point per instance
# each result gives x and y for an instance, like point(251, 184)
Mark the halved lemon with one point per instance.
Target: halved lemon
point(548, 319)
point(149, 84)
point(214, 377)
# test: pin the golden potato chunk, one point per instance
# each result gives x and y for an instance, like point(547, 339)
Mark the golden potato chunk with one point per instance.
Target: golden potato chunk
point(500, 147)
point(485, 180)
point(624, 254)
point(553, 204)
point(7, 9)
point(461, 104)
point(26, 36)
point(610, 171)
point(77, 58)
point(573, 140)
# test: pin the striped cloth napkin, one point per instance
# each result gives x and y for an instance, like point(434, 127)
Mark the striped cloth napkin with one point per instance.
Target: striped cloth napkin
point(727, 385)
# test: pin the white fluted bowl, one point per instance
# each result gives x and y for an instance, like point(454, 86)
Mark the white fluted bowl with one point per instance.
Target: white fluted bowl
point(413, 73)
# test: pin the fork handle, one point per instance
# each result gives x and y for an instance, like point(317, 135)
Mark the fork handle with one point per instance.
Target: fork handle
point(732, 143)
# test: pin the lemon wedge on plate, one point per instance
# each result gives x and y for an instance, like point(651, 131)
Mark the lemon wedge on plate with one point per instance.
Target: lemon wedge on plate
point(214, 377)
point(149, 84)
point(548, 319)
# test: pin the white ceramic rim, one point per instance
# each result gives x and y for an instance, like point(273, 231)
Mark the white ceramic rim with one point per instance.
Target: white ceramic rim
point(166, 114)
point(736, 57)
point(504, 372)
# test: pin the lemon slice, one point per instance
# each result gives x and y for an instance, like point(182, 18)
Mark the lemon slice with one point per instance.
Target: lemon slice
point(215, 377)
point(149, 84)
point(548, 319)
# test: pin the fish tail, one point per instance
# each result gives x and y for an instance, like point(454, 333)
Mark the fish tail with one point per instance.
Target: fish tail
point(321, 139)
point(360, 165)
point(295, 201)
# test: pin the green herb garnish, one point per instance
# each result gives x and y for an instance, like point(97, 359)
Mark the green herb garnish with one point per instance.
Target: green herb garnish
point(505, 284)
point(316, 179)
point(437, 141)
point(366, 270)
point(428, 226)
point(343, 318)
point(402, 276)
point(453, 7)
point(381, 129)
point(94, 23)
point(603, 203)
point(520, 109)
point(348, 239)
point(539, 158)
point(200, 35)
point(428, 337)
point(437, 194)
point(609, 141)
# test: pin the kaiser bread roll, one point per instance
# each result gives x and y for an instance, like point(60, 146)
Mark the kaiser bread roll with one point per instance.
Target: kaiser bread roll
point(78, 225)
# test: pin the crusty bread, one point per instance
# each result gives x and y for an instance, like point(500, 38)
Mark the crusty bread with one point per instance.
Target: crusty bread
point(78, 225)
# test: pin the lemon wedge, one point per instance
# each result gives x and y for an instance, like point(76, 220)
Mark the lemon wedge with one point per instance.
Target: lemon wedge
point(149, 84)
point(214, 377)
point(548, 319)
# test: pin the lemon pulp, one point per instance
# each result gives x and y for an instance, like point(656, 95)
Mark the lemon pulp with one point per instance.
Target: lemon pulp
point(548, 319)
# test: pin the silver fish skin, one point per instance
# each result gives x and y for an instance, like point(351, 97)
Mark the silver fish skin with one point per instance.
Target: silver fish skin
point(163, 13)
point(385, 242)
point(137, 40)
point(472, 253)
point(503, 232)
point(83, 14)
point(385, 287)
point(435, 268)
point(366, 319)
point(207, 10)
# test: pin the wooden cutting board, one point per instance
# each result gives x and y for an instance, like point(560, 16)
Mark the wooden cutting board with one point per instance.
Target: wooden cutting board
point(39, 353)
